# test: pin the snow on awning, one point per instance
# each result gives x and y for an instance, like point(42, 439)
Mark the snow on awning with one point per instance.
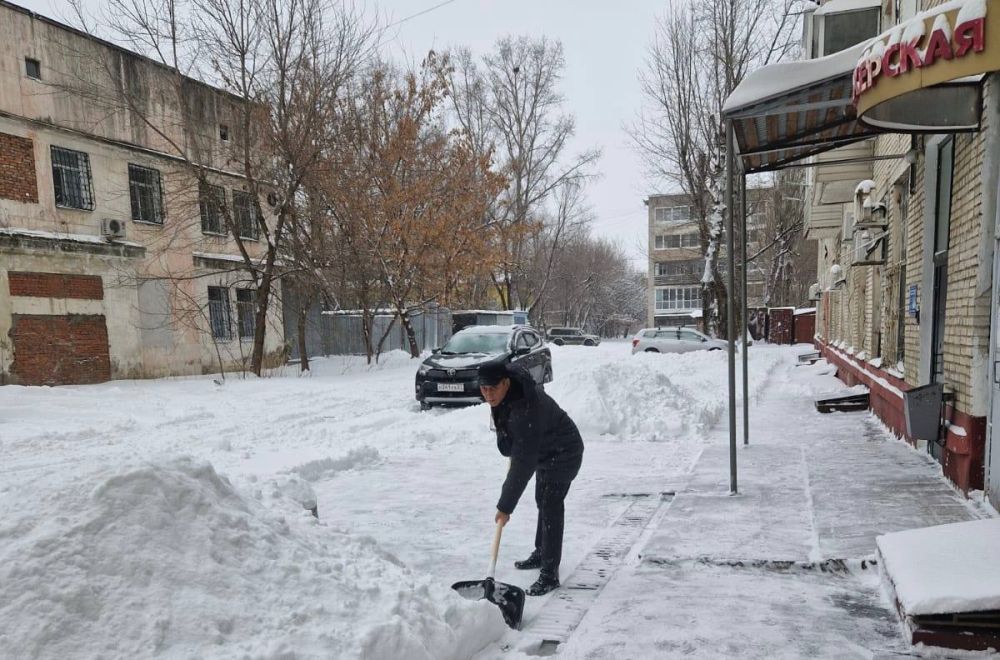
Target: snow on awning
point(787, 111)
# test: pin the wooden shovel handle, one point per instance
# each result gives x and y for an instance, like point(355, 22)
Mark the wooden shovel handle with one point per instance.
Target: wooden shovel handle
point(495, 550)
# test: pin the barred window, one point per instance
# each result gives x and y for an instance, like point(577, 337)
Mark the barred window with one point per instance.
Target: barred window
point(245, 313)
point(245, 215)
point(71, 179)
point(678, 298)
point(662, 242)
point(146, 194)
point(219, 315)
point(212, 199)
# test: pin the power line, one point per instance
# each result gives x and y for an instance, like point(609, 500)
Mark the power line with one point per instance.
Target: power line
point(420, 13)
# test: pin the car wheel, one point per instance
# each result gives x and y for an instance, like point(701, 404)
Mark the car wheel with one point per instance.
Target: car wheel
point(714, 348)
point(652, 350)
point(547, 376)
point(589, 342)
point(557, 342)
point(424, 406)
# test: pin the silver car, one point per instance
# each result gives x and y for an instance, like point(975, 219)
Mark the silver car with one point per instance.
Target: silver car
point(674, 340)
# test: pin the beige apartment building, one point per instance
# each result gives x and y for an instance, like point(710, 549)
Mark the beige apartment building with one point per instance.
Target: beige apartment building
point(114, 263)
point(677, 260)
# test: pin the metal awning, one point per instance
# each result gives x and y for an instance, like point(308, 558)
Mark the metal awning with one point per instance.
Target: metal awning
point(785, 112)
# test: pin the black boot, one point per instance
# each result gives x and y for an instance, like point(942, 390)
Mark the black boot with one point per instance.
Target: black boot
point(545, 583)
point(533, 561)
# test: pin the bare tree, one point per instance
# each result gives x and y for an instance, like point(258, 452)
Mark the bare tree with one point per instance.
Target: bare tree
point(510, 101)
point(700, 52)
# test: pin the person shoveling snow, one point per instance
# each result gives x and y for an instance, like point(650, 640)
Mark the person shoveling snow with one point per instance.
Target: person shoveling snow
point(540, 439)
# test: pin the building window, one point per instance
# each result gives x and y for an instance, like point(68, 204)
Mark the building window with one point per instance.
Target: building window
point(691, 267)
point(245, 313)
point(223, 132)
point(218, 312)
point(146, 194)
point(845, 29)
point(676, 241)
point(212, 200)
point(678, 298)
point(672, 214)
point(71, 179)
point(32, 68)
point(245, 215)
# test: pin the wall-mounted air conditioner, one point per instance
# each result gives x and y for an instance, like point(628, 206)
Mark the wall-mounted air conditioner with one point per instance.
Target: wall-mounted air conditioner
point(112, 228)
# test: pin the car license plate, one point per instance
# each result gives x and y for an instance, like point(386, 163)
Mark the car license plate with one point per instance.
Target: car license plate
point(451, 387)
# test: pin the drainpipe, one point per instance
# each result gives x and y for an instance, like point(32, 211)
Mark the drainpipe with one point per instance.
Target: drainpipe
point(730, 306)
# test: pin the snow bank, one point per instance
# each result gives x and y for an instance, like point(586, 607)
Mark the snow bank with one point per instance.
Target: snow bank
point(655, 397)
point(945, 569)
point(169, 559)
point(327, 467)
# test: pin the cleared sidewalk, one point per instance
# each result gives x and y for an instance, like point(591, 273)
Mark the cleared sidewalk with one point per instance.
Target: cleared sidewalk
point(783, 569)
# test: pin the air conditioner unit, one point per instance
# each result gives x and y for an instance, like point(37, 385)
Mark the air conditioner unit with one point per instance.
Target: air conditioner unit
point(814, 292)
point(112, 228)
point(869, 248)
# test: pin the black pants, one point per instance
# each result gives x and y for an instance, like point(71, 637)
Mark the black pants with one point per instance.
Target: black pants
point(549, 496)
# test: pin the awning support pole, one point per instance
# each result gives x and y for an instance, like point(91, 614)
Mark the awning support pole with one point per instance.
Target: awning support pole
point(730, 306)
point(744, 321)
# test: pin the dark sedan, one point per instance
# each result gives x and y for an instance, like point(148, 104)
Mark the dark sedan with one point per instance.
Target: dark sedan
point(451, 374)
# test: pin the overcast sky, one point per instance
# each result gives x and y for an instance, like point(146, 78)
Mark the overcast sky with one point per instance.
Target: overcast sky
point(604, 44)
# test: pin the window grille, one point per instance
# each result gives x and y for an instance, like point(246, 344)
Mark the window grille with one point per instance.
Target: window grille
point(71, 179)
point(212, 200)
point(146, 194)
point(219, 316)
point(246, 313)
point(245, 215)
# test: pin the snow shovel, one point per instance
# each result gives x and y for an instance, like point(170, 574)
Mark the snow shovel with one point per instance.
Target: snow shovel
point(507, 597)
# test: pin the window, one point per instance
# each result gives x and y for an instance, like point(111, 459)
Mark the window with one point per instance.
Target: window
point(218, 312)
point(146, 194)
point(845, 29)
point(71, 179)
point(246, 317)
point(672, 214)
point(676, 241)
point(689, 267)
point(245, 215)
point(212, 200)
point(32, 68)
point(678, 298)
point(223, 132)
point(690, 335)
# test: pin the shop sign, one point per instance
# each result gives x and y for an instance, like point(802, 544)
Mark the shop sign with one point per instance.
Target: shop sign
point(950, 42)
point(912, 306)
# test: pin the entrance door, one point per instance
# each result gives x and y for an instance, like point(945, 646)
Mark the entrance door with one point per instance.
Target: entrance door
point(942, 233)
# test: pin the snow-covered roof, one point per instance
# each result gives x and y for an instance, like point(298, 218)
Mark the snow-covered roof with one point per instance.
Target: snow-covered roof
point(839, 6)
point(947, 569)
point(805, 310)
point(777, 79)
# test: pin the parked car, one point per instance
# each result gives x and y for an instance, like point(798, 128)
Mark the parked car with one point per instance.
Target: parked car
point(560, 336)
point(451, 374)
point(675, 340)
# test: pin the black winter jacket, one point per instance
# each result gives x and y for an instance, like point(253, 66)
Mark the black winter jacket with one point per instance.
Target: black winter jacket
point(537, 435)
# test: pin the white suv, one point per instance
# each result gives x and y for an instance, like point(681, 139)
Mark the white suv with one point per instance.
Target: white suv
point(674, 340)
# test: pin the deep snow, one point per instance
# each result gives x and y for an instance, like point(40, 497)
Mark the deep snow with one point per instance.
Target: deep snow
point(170, 517)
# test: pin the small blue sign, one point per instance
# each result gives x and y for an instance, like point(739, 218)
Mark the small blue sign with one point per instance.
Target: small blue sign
point(912, 307)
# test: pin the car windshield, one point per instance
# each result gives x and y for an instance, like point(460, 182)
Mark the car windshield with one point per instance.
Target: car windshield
point(473, 342)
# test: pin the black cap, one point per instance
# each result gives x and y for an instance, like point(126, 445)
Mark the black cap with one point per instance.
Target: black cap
point(491, 373)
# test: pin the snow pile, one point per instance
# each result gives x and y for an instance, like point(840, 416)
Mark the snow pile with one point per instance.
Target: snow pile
point(945, 569)
point(324, 468)
point(169, 559)
point(654, 396)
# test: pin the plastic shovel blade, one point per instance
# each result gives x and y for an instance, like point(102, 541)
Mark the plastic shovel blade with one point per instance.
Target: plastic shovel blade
point(507, 597)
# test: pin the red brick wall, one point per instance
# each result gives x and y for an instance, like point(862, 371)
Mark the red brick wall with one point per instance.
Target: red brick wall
point(55, 285)
point(60, 350)
point(17, 169)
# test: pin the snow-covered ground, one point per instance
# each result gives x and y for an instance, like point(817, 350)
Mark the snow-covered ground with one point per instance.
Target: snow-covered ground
point(165, 517)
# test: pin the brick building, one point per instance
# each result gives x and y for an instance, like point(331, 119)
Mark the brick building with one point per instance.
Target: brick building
point(902, 204)
point(113, 262)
